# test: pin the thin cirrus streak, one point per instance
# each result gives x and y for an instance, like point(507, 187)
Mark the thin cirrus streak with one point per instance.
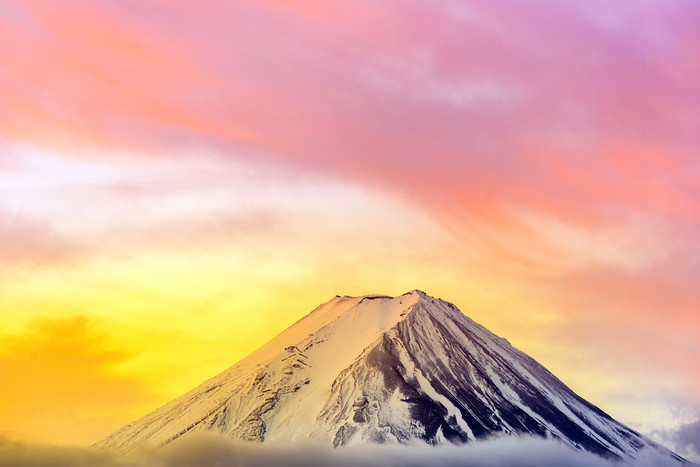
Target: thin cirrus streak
point(555, 141)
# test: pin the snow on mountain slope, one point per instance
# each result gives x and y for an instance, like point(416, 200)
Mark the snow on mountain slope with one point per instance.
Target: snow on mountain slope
point(386, 370)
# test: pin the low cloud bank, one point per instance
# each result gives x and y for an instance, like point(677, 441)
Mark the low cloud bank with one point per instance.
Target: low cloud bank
point(689, 438)
point(212, 450)
point(685, 440)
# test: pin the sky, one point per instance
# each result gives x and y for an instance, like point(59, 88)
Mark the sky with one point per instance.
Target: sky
point(180, 181)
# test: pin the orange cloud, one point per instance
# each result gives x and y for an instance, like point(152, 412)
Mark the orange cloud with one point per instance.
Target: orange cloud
point(58, 382)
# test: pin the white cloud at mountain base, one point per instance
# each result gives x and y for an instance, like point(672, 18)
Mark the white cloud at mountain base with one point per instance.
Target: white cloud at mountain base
point(685, 439)
point(210, 450)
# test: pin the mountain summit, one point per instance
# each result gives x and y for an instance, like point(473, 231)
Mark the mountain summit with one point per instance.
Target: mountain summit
point(379, 369)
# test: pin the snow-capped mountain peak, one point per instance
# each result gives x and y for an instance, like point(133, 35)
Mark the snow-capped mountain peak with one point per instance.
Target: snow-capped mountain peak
point(380, 369)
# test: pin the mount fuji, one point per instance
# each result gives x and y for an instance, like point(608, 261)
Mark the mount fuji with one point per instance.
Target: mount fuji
point(379, 369)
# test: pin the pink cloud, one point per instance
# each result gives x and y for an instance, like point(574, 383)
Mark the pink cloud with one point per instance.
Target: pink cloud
point(28, 242)
point(583, 114)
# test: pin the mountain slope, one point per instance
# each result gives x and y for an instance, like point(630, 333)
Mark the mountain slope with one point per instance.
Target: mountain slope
point(386, 370)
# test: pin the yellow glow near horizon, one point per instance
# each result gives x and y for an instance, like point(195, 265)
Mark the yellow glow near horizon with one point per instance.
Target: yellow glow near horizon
point(123, 336)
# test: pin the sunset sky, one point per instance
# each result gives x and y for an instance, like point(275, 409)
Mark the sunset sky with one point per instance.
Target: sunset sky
point(180, 181)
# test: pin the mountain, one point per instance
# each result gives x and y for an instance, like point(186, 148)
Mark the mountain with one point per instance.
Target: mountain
point(378, 369)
